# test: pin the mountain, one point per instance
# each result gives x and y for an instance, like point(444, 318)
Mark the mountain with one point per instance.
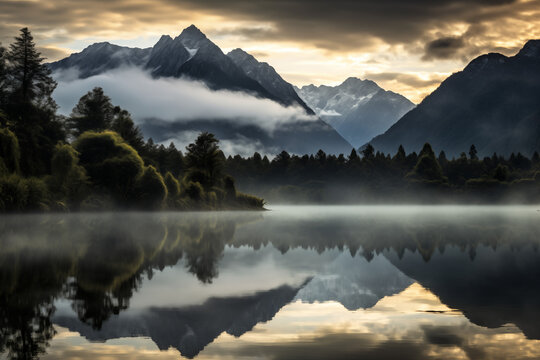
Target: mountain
point(192, 56)
point(493, 103)
point(102, 57)
point(191, 328)
point(267, 76)
point(357, 109)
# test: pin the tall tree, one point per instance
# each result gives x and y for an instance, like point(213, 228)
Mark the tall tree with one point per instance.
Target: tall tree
point(93, 112)
point(203, 157)
point(28, 80)
point(125, 127)
point(28, 104)
point(3, 76)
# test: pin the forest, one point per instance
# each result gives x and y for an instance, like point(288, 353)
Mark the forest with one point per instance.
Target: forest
point(370, 176)
point(96, 158)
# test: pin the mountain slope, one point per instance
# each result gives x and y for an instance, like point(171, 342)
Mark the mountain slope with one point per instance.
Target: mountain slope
point(494, 103)
point(357, 109)
point(101, 57)
point(192, 56)
point(267, 76)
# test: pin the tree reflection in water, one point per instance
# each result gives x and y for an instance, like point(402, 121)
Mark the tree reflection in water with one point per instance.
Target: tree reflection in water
point(98, 261)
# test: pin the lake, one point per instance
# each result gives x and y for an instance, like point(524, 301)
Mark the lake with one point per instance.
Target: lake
point(296, 282)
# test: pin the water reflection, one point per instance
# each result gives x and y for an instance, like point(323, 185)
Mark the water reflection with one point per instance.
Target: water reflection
point(190, 280)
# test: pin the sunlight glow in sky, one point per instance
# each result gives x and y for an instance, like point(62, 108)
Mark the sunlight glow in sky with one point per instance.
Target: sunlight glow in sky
point(407, 47)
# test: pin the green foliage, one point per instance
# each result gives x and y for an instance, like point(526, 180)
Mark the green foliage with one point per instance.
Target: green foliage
point(244, 201)
point(205, 160)
point(27, 106)
point(230, 188)
point(28, 78)
point(9, 151)
point(194, 191)
point(93, 112)
point(21, 194)
point(173, 190)
point(150, 189)
point(501, 173)
point(111, 164)
point(427, 168)
point(68, 180)
point(125, 127)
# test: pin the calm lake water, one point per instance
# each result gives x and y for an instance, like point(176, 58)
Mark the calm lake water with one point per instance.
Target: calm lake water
point(318, 282)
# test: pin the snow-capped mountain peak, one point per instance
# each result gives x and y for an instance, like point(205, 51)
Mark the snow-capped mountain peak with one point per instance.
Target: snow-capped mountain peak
point(358, 109)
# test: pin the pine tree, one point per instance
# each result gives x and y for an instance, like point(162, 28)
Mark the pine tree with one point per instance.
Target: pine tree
point(473, 153)
point(27, 103)
point(93, 112)
point(203, 157)
point(29, 80)
point(368, 152)
point(3, 76)
point(125, 127)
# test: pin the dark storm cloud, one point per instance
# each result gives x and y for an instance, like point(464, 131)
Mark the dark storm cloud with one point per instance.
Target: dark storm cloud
point(342, 25)
point(339, 23)
point(443, 48)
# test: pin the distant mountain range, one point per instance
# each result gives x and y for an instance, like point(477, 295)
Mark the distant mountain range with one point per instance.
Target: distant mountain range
point(191, 55)
point(494, 103)
point(357, 109)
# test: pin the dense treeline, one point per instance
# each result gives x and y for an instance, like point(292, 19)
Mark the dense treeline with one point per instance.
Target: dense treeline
point(96, 158)
point(373, 176)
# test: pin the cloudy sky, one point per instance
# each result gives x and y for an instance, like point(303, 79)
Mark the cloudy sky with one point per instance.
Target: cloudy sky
point(406, 46)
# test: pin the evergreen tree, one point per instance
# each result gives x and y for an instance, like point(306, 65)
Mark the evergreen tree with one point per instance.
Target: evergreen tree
point(473, 153)
point(400, 155)
point(29, 81)
point(125, 127)
point(203, 156)
point(368, 152)
point(427, 168)
point(3, 78)
point(95, 112)
point(27, 102)
point(353, 156)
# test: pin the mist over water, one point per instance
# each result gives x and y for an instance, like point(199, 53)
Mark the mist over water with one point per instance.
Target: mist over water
point(382, 282)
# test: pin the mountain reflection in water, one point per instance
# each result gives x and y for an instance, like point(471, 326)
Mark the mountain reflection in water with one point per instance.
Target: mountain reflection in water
point(295, 282)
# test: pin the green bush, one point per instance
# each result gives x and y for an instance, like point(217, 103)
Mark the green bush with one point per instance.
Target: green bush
point(10, 154)
point(68, 180)
point(249, 201)
point(173, 190)
point(150, 189)
point(20, 194)
point(111, 164)
point(194, 191)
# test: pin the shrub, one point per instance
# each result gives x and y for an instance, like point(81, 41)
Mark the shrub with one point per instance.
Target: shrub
point(194, 191)
point(68, 179)
point(10, 154)
point(151, 190)
point(173, 190)
point(20, 194)
point(249, 201)
point(111, 163)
